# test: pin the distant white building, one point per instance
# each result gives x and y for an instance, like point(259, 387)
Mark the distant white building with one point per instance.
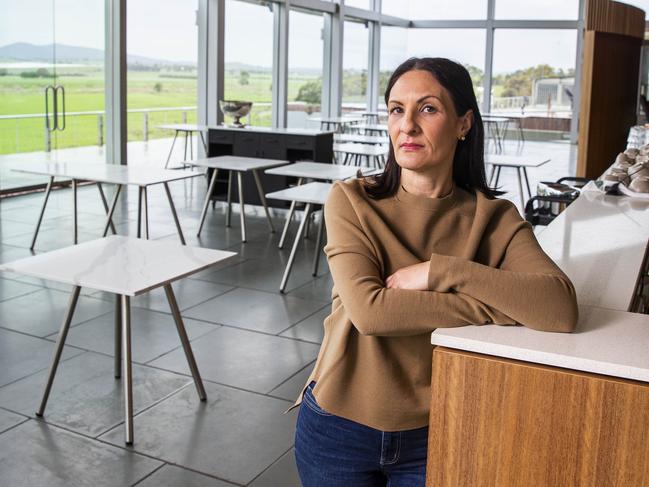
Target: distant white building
point(558, 91)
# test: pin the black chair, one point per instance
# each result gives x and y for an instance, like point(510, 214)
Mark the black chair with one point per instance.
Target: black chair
point(537, 212)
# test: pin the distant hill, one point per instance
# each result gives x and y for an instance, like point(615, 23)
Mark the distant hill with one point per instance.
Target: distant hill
point(23, 51)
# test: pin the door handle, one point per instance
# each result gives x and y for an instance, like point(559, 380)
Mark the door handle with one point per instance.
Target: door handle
point(50, 125)
point(59, 89)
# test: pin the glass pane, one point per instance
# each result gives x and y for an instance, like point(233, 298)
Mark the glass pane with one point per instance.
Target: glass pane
point(530, 9)
point(355, 60)
point(305, 58)
point(162, 86)
point(394, 49)
point(26, 68)
point(445, 9)
point(536, 81)
point(249, 59)
point(79, 58)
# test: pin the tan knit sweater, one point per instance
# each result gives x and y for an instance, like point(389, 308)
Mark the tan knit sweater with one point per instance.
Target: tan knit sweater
point(374, 366)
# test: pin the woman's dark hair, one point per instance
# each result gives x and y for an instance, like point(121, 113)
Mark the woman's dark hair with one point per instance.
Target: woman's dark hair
point(468, 161)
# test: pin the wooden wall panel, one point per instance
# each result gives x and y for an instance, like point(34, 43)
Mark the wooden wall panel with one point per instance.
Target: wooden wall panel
point(506, 423)
point(614, 18)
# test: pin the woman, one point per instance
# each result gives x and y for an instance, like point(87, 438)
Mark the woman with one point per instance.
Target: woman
point(422, 246)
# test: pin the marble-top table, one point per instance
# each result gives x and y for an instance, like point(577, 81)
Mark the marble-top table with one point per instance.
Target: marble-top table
point(374, 155)
point(239, 165)
point(125, 267)
point(188, 129)
point(520, 163)
point(120, 175)
point(311, 194)
point(361, 139)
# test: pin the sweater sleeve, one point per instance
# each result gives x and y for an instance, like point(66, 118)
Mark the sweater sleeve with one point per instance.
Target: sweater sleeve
point(375, 309)
point(527, 286)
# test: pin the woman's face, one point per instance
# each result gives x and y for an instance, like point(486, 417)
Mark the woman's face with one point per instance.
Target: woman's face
point(423, 126)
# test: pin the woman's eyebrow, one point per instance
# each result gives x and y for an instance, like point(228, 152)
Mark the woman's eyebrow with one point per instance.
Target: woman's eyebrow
point(418, 101)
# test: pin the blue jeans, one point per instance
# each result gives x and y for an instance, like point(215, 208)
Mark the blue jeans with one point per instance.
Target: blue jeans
point(331, 451)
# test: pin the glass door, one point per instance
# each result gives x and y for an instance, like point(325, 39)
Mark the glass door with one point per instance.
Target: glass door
point(51, 85)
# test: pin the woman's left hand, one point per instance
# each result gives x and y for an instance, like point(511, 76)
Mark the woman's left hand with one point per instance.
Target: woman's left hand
point(413, 277)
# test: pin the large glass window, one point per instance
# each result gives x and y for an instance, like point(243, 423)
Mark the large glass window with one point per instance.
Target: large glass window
point(531, 9)
point(358, 3)
point(249, 58)
point(446, 9)
point(394, 50)
point(161, 78)
point(355, 60)
point(305, 58)
point(537, 80)
point(46, 44)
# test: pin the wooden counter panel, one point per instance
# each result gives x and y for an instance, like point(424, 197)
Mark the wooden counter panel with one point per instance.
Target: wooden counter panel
point(501, 422)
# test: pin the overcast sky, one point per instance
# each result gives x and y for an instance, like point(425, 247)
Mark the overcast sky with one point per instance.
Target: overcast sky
point(166, 29)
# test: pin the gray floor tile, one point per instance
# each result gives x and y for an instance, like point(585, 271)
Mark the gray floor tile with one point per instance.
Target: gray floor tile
point(38, 454)
point(282, 473)
point(319, 289)
point(291, 389)
point(244, 359)
point(9, 419)
point(172, 476)
point(12, 289)
point(310, 329)
point(189, 292)
point(254, 310)
point(41, 313)
point(86, 397)
point(51, 239)
point(9, 253)
point(234, 436)
point(152, 334)
point(22, 355)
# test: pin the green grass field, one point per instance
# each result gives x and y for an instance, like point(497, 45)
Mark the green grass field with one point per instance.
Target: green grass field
point(146, 89)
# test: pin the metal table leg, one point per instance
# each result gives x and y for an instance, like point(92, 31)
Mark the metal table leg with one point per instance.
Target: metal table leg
point(48, 190)
point(291, 211)
point(173, 212)
point(497, 175)
point(105, 203)
point(128, 368)
point(191, 361)
point(186, 138)
point(200, 132)
point(520, 187)
point(318, 243)
point(146, 212)
point(228, 211)
point(207, 201)
point(171, 150)
point(74, 211)
point(527, 182)
point(242, 205)
point(109, 218)
point(139, 211)
point(296, 242)
point(60, 342)
point(491, 174)
point(118, 336)
point(262, 197)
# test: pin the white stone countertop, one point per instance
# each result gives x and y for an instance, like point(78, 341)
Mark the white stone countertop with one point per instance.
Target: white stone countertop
point(599, 241)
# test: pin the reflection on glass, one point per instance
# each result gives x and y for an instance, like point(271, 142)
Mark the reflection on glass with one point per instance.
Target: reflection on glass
point(249, 58)
point(530, 9)
point(162, 56)
point(355, 60)
point(305, 57)
point(447, 9)
point(358, 3)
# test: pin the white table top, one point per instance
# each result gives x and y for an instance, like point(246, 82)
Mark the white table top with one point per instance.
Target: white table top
point(105, 173)
point(363, 149)
point(516, 161)
point(184, 127)
point(236, 163)
point(372, 127)
point(320, 170)
point(338, 120)
point(495, 119)
point(315, 193)
point(606, 342)
point(271, 130)
point(599, 241)
point(117, 264)
point(361, 139)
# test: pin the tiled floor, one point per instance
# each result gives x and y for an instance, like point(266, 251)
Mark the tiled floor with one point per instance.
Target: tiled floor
point(254, 346)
